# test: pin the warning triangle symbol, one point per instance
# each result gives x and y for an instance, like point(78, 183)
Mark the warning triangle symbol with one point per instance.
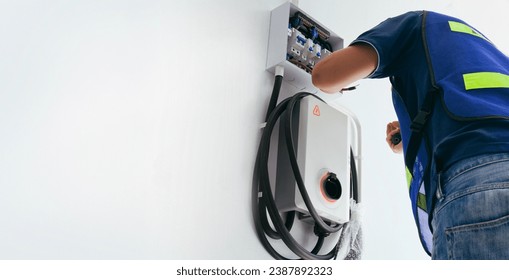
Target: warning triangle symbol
point(316, 110)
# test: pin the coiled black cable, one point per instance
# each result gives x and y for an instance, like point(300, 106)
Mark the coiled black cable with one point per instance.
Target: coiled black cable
point(262, 197)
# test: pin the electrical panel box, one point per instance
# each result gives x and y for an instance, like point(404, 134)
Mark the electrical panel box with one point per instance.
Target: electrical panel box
point(322, 137)
point(297, 42)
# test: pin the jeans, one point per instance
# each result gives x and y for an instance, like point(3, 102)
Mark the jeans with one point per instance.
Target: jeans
point(471, 214)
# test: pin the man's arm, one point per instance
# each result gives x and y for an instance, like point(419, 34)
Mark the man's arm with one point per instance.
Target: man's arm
point(344, 67)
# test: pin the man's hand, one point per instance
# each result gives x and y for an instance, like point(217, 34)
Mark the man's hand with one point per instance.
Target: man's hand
point(393, 128)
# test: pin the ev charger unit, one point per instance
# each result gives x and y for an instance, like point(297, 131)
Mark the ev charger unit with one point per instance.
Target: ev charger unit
point(322, 143)
point(316, 146)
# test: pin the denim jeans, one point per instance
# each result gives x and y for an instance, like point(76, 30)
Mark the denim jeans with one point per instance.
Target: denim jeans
point(471, 215)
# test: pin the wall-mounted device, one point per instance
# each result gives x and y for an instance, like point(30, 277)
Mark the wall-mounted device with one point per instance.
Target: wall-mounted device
point(297, 42)
point(318, 146)
point(322, 141)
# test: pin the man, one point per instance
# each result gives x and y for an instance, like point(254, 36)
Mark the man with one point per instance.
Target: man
point(450, 89)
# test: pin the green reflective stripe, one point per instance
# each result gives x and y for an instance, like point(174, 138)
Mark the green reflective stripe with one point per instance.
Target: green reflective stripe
point(421, 202)
point(408, 177)
point(480, 80)
point(421, 198)
point(463, 28)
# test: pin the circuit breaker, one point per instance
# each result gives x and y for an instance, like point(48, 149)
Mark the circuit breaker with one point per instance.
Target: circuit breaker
point(297, 42)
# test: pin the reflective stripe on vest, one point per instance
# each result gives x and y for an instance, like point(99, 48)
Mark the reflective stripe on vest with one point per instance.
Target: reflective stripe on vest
point(481, 80)
point(421, 197)
point(463, 28)
point(408, 177)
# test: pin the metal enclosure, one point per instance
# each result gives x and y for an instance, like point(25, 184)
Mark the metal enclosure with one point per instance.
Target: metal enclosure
point(278, 45)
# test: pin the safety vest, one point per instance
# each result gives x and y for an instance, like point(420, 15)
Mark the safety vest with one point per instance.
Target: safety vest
point(471, 76)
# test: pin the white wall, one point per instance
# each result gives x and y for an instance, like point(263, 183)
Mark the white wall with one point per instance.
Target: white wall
point(128, 129)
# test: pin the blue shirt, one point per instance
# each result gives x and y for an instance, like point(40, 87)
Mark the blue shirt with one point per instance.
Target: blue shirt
point(401, 57)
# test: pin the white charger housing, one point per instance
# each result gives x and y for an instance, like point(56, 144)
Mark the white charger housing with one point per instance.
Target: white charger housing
point(322, 139)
